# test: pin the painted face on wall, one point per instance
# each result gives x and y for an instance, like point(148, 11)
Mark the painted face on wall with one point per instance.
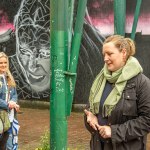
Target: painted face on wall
point(114, 59)
point(33, 44)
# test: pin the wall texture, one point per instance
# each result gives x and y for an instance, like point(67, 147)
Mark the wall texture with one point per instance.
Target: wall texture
point(25, 37)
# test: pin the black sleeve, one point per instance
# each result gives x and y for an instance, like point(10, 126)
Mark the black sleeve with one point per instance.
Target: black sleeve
point(139, 126)
point(88, 127)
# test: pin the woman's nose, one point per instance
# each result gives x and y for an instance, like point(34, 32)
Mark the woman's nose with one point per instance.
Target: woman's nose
point(106, 58)
point(3, 64)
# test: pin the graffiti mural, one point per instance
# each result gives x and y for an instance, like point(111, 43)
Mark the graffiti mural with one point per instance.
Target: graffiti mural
point(32, 57)
point(25, 37)
point(7, 27)
point(100, 17)
point(33, 43)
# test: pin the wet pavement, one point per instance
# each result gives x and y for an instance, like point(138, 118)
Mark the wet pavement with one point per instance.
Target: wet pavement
point(35, 122)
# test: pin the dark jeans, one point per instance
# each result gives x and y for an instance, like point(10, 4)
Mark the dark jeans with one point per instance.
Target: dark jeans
point(3, 140)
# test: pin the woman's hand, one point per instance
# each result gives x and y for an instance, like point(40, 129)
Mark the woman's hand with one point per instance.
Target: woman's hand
point(17, 107)
point(92, 119)
point(12, 104)
point(105, 131)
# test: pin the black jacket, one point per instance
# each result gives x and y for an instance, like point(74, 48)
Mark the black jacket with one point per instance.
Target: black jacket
point(130, 120)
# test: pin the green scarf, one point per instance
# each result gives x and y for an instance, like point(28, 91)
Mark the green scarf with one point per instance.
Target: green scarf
point(119, 78)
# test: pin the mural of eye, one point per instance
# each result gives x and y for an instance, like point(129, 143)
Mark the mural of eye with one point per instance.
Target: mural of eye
point(44, 53)
point(44, 39)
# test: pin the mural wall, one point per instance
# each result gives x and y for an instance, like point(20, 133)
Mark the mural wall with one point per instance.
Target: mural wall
point(25, 37)
point(100, 16)
point(32, 46)
point(30, 55)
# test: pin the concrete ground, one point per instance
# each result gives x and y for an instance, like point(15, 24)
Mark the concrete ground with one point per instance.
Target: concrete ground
point(34, 122)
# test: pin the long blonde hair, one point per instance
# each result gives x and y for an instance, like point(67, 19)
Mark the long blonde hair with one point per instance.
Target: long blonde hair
point(9, 77)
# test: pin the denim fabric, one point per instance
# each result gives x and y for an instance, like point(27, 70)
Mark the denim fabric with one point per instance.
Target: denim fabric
point(10, 142)
point(12, 94)
point(4, 106)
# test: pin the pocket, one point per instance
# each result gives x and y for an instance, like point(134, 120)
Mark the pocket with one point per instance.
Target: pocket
point(95, 143)
point(130, 104)
point(5, 120)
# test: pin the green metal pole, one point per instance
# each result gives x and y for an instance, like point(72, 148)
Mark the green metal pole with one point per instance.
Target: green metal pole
point(59, 50)
point(70, 27)
point(136, 17)
point(119, 16)
point(75, 47)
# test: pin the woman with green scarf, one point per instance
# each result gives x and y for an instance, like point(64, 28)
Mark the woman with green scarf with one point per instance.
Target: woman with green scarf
point(118, 116)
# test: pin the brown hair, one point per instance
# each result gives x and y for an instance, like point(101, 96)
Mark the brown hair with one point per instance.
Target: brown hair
point(121, 43)
point(10, 79)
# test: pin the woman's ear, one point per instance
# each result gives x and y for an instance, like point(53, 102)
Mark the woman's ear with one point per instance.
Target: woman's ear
point(124, 54)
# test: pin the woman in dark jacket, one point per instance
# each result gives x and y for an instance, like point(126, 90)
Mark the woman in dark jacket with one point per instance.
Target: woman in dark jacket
point(119, 103)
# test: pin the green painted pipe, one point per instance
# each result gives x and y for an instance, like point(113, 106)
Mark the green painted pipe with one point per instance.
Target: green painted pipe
point(70, 27)
point(136, 17)
point(59, 52)
point(75, 47)
point(119, 17)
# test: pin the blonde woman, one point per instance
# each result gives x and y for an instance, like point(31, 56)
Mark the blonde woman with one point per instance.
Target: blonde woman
point(8, 98)
point(119, 113)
